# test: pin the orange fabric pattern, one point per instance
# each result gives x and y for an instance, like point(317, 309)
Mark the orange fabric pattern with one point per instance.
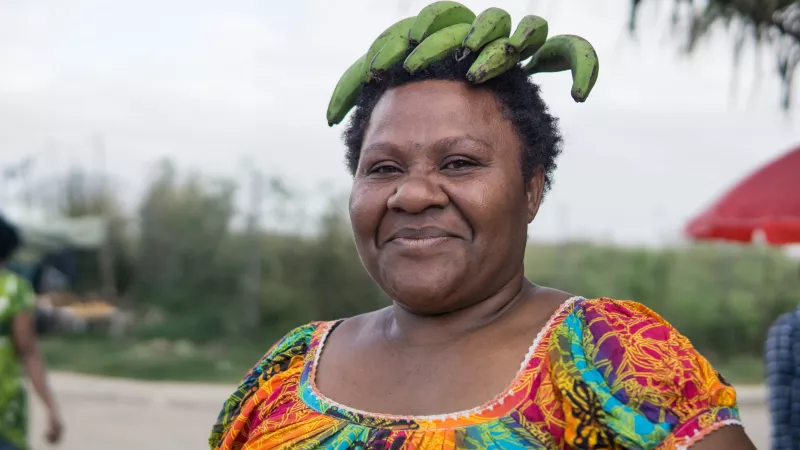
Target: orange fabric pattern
point(602, 374)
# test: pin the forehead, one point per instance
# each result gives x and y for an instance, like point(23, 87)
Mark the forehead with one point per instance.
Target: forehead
point(426, 111)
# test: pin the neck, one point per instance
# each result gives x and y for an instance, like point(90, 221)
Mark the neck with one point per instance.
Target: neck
point(416, 330)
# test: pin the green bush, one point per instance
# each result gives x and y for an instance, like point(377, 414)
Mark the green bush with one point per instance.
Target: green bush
point(192, 262)
point(723, 297)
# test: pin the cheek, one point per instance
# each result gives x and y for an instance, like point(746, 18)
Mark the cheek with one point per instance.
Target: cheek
point(496, 205)
point(366, 209)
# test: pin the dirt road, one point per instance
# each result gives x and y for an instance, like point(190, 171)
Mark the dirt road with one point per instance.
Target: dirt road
point(108, 414)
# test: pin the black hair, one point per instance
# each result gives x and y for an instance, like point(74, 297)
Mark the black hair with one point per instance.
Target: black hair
point(519, 97)
point(9, 240)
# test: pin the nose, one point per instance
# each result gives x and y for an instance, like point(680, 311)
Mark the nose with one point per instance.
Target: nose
point(416, 194)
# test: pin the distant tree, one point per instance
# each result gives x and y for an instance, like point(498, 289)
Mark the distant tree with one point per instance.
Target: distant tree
point(80, 194)
point(187, 263)
point(774, 24)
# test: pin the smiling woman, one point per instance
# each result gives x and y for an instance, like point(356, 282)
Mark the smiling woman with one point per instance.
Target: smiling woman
point(447, 176)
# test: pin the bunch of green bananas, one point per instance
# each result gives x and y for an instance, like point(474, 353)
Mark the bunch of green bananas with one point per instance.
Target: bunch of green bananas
point(449, 29)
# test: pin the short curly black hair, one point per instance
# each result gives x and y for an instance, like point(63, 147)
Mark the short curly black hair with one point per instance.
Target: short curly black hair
point(524, 107)
point(10, 240)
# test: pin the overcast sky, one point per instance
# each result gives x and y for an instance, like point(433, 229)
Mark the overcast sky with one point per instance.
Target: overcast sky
point(210, 83)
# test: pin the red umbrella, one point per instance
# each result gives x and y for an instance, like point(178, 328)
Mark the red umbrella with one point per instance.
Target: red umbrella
point(768, 200)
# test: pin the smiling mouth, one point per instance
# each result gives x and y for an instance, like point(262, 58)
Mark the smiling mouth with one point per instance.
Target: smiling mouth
point(422, 237)
point(421, 242)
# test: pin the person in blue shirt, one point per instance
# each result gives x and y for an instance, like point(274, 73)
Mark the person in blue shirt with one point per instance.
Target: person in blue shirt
point(783, 380)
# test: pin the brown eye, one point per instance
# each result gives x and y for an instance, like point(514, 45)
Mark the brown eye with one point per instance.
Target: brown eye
point(458, 164)
point(384, 169)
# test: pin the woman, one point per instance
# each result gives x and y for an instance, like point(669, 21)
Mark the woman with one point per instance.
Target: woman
point(471, 354)
point(18, 345)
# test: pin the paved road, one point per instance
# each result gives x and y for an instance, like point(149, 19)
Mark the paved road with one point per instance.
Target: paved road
point(106, 414)
point(756, 421)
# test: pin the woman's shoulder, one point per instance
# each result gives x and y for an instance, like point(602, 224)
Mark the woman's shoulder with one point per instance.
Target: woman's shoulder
point(294, 343)
point(604, 315)
point(11, 283)
point(631, 337)
point(626, 359)
point(612, 307)
point(284, 359)
point(16, 293)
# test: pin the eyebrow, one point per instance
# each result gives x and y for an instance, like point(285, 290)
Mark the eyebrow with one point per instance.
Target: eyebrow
point(387, 146)
point(444, 142)
point(451, 141)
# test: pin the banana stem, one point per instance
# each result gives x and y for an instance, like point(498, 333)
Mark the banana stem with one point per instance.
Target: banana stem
point(463, 53)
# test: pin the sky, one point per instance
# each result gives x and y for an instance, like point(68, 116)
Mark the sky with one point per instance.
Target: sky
point(221, 86)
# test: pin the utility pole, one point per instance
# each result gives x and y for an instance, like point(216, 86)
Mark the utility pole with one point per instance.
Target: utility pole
point(24, 173)
point(107, 273)
point(252, 283)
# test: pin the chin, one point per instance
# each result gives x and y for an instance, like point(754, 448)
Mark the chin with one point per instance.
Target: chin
point(429, 291)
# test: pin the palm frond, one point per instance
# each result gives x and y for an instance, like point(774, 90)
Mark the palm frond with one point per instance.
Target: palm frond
point(760, 22)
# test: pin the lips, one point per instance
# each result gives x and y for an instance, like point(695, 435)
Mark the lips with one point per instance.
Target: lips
point(420, 233)
point(421, 237)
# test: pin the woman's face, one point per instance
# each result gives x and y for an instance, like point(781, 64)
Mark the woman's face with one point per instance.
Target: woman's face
point(439, 206)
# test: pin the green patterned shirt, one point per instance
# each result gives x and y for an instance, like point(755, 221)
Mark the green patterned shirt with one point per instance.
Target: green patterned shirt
point(16, 296)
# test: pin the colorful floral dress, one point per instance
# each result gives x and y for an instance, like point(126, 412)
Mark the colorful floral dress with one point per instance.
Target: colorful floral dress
point(16, 296)
point(602, 374)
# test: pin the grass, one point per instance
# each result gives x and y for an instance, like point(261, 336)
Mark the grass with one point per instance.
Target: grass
point(163, 360)
point(743, 370)
point(150, 360)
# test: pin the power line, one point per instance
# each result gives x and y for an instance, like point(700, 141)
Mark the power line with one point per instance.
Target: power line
point(107, 272)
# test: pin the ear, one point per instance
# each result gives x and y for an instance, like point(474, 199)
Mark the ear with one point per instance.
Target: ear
point(535, 191)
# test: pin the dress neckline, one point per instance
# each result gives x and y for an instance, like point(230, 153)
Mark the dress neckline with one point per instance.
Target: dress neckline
point(495, 408)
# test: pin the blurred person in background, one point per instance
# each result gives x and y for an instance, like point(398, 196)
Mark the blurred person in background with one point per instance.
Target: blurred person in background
point(53, 274)
point(782, 356)
point(447, 177)
point(19, 349)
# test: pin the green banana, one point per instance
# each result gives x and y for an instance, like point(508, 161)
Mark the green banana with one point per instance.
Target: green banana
point(568, 52)
point(346, 92)
point(546, 65)
point(490, 25)
point(530, 35)
point(436, 47)
point(393, 52)
point(399, 28)
point(493, 60)
point(437, 16)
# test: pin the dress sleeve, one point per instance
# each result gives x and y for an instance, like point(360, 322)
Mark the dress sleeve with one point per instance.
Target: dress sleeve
point(282, 360)
point(626, 378)
point(16, 295)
